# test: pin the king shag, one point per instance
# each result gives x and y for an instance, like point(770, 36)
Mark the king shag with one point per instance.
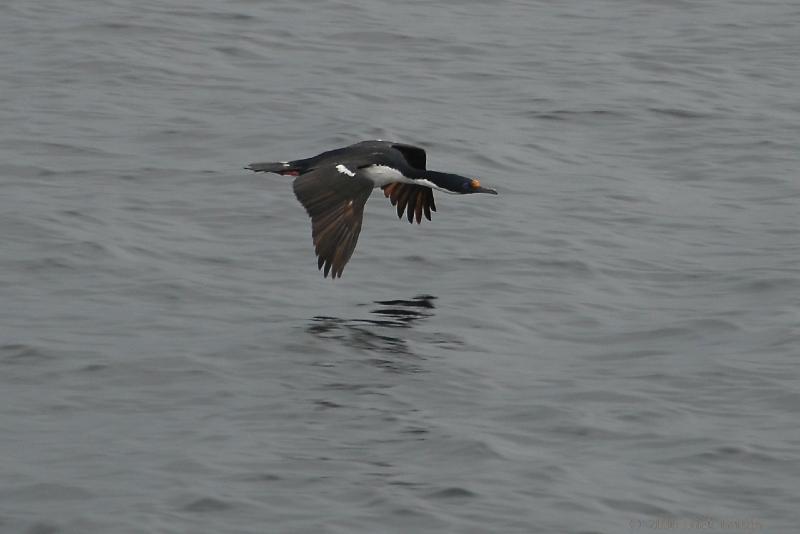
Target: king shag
point(334, 186)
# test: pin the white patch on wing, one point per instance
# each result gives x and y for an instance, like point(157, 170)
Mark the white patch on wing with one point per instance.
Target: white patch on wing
point(285, 163)
point(344, 170)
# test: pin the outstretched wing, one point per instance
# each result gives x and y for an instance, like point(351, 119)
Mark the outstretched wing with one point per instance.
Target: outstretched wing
point(414, 155)
point(411, 198)
point(335, 202)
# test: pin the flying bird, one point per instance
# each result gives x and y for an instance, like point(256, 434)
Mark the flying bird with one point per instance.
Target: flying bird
point(334, 186)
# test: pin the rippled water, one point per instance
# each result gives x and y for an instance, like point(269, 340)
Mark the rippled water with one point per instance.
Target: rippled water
point(610, 342)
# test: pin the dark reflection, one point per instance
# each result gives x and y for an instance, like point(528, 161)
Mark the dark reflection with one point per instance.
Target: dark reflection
point(377, 333)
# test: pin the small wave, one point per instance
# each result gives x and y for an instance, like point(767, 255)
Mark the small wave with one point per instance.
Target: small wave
point(20, 353)
point(727, 453)
point(636, 507)
point(569, 114)
point(680, 113)
point(454, 492)
point(207, 504)
point(238, 52)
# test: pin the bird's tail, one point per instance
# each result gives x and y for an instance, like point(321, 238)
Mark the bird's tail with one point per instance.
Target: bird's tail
point(286, 168)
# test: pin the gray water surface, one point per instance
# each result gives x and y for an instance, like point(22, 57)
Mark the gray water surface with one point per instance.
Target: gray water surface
point(609, 342)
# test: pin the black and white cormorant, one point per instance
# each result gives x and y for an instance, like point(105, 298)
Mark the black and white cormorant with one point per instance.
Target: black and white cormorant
point(335, 185)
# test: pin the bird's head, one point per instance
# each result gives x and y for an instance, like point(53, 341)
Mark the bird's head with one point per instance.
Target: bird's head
point(457, 184)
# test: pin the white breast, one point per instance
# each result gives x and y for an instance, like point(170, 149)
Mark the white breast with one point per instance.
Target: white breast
point(383, 175)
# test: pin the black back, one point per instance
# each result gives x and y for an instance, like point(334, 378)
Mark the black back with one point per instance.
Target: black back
point(367, 153)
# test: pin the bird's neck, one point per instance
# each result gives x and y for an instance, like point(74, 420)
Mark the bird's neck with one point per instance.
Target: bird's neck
point(449, 183)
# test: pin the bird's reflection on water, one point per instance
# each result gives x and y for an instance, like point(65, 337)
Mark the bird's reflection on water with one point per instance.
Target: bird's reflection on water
point(378, 333)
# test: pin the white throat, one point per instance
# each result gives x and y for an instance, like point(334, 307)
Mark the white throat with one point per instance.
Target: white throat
point(383, 175)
